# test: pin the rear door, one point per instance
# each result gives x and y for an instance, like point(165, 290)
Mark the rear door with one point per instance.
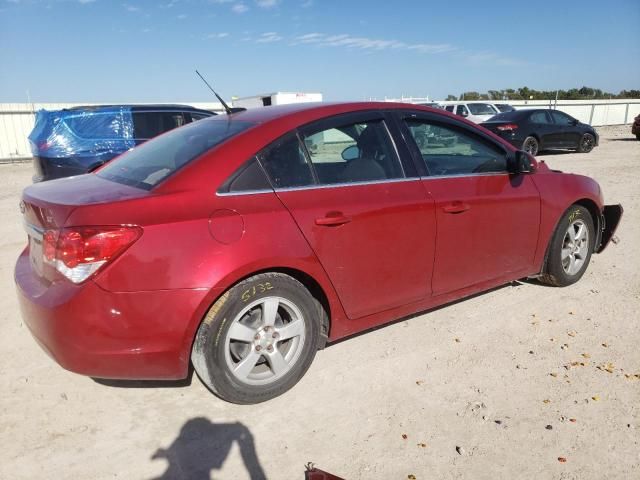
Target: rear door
point(487, 219)
point(540, 124)
point(365, 216)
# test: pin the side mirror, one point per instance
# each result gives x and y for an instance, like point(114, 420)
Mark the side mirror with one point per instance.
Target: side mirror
point(520, 163)
point(350, 153)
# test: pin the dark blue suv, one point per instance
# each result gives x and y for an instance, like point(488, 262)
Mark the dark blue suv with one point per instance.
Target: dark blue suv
point(80, 139)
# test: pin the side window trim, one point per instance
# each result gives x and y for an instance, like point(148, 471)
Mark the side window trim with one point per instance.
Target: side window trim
point(225, 188)
point(449, 123)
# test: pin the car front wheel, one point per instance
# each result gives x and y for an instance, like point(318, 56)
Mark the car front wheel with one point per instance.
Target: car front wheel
point(570, 249)
point(258, 339)
point(530, 145)
point(587, 143)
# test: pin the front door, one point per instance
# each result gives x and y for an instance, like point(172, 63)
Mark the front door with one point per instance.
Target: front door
point(371, 227)
point(487, 219)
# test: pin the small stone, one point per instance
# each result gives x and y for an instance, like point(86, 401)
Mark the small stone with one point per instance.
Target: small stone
point(549, 427)
point(422, 445)
point(530, 352)
point(546, 400)
point(498, 422)
point(457, 340)
point(404, 436)
point(562, 459)
point(460, 450)
point(553, 374)
point(572, 420)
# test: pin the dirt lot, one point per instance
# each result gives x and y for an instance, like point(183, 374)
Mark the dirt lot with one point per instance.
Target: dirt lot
point(502, 385)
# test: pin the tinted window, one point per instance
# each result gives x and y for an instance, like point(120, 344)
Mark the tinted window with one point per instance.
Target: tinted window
point(151, 124)
point(249, 177)
point(503, 107)
point(146, 165)
point(462, 110)
point(561, 118)
point(481, 109)
point(449, 151)
point(356, 152)
point(449, 108)
point(514, 115)
point(539, 117)
point(286, 164)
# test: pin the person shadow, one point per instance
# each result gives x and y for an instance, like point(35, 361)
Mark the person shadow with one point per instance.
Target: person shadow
point(202, 447)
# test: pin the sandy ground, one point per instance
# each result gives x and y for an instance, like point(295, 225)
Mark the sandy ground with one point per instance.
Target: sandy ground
point(498, 386)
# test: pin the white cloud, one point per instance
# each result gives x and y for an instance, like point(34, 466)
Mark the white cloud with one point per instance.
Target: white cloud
point(366, 43)
point(239, 8)
point(307, 4)
point(217, 35)
point(269, 37)
point(84, 2)
point(267, 3)
point(130, 8)
point(182, 16)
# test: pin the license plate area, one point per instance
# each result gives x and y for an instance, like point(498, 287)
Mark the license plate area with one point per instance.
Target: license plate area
point(36, 258)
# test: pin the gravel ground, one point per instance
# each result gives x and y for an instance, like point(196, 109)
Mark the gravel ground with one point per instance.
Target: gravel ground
point(525, 381)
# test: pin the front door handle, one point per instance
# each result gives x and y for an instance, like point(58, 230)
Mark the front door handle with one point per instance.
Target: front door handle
point(456, 207)
point(332, 219)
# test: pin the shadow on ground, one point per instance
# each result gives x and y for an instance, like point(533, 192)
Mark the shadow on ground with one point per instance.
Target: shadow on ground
point(202, 448)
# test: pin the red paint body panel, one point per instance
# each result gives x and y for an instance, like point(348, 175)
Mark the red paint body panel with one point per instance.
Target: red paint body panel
point(401, 247)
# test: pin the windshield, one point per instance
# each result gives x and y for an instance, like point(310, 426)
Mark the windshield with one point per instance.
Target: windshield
point(148, 164)
point(481, 109)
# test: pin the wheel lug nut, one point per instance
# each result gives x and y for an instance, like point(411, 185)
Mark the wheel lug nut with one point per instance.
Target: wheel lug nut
point(256, 336)
point(275, 335)
point(258, 348)
point(270, 348)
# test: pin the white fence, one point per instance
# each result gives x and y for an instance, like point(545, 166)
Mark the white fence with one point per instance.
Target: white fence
point(17, 119)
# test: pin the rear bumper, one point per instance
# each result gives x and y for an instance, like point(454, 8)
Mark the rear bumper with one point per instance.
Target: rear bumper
point(94, 332)
point(611, 215)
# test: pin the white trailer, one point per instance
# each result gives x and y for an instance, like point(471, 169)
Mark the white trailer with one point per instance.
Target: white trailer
point(277, 98)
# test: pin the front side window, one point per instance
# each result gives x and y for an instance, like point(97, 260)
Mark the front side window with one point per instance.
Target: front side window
point(462, 111)
point(151, 124)
point(355, 152)
point(561, 118)
point(450, 151)
point(153, 161)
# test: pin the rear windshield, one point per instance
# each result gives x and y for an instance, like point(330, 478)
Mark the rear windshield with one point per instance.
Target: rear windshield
point(508, 116)
point(148, 164)
point(481, 109)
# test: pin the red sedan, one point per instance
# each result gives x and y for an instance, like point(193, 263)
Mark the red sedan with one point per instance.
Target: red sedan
point(243, 243)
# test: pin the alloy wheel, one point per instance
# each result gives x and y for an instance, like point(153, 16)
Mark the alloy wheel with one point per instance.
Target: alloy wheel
point(575, 247)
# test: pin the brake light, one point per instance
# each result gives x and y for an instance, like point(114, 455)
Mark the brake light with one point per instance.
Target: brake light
point(79, 252)
point(508, 127)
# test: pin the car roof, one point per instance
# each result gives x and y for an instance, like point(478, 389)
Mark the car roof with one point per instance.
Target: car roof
point(319, 109)
point(137, 107)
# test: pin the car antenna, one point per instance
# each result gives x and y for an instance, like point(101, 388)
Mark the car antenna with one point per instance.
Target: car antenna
point(226, 107)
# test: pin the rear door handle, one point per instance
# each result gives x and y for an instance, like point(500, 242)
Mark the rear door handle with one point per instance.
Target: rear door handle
point(456, 207)
point(333, 219)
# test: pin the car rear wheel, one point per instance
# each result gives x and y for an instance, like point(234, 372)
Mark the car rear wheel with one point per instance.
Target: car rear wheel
point(570, 249)
point(587, 142)
point(258, 339)
point(530, 145)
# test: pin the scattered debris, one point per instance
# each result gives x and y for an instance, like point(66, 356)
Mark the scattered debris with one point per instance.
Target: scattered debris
point(564, 346)
point(586, 355)
point(549, 427)
point(553, 374)
point(404, 436)
point(422, 445)
point(411, 477)
point(632, 376)
point(530, 352)
point(419, 382)
point(457, 340)
point(562, 459)
point(605, 345)
point(546, 400)
point(572, 420)
point(607, 367)
point(499, 422)
point(460, 450)
point(572, 333)
point(595, 398)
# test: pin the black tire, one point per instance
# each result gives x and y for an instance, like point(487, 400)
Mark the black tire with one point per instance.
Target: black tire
point(637, 136)
point(555, 272)
point(212, 356)
point(530, 145)
point(587, 143)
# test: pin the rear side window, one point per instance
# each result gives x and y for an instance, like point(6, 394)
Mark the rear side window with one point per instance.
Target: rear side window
point(481, 109)
point(248, 178)
point(286, 164)
point(148, 164)
point(449, 108)
point(561, 118)
point(451, 151)
point(540, 117)
point(151, 124)
point(96, 125)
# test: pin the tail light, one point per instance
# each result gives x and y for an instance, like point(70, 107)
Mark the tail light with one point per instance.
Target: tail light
point(79, 252)
point(509, 127)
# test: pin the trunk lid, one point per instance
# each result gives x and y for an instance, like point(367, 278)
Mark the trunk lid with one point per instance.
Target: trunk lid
point(48, 205)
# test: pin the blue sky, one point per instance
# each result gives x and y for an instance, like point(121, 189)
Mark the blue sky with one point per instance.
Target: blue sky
point(144, 51)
